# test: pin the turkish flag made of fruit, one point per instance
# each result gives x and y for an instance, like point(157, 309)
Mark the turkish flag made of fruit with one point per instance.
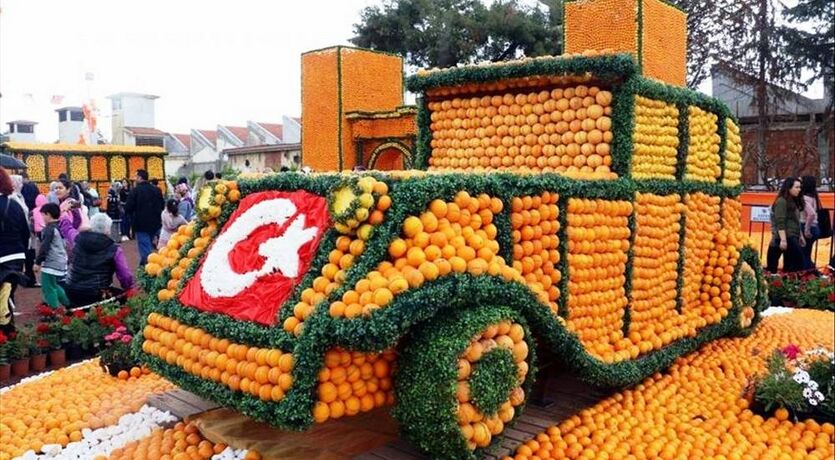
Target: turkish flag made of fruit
point(259, 256)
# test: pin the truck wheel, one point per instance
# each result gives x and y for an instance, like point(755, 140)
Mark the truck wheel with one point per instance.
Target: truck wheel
point(462, 379)
point(750, 291)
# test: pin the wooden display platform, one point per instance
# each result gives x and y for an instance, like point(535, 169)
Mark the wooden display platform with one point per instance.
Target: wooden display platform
point(370, 436)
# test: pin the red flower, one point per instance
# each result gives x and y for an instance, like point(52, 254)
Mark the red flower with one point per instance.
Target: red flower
point(43, 343)
point(44, 310)
point(66, 320)
point(790, 351)
point(124, 311)
point(3, 338)
point(776, 282)
point(79, 313)
point(42, 328)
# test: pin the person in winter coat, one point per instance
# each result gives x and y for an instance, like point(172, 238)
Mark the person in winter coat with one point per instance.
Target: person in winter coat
point(96, 258)
point(14, 239)
point(145, 205)
point(51, 260)
point(185, 203)
point(114, 210)
point(29, 191)
point(786, 238)
point(171, 221)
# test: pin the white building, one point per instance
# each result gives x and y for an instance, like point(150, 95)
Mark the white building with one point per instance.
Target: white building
point(21, 131)
point(130, 112)
point(70, 125)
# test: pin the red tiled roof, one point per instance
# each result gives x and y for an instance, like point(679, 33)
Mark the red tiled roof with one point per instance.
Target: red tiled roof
point(184, 138)
point(209, 134)
point(137, 131)
point(239, 131)
point(276, 129)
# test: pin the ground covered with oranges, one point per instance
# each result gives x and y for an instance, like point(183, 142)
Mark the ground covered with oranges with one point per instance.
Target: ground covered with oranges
point(698, 408)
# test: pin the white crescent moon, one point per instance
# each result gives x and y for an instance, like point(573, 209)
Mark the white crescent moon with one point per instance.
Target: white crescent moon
point(218, 279)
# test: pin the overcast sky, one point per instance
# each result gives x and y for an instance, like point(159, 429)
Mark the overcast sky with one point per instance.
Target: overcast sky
point(211, 62)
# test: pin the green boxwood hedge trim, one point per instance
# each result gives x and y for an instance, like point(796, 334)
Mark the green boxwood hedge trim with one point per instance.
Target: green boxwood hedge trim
point(606, 67)
point(423, 141)
point(493, 376)
point(682, 234)
point(427, 377)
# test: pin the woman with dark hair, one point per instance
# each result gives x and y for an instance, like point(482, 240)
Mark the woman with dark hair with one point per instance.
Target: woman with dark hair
point(786, 239)
point(70, 203)
point(171, 221)
point(14, 239)
point(809, 217)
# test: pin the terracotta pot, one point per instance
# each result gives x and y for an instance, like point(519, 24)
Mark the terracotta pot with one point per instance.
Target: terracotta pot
point(37, 363)
point(58, 358)
point(5, 372)
point(20, 367)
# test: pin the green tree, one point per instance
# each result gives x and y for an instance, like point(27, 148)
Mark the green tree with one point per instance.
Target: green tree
point(703, 32)
point(810, 34)
point(443, 33)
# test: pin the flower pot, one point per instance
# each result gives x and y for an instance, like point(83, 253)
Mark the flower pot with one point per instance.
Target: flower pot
point(5, 372)
point(37, 362)
point(74, 351)
point(20, 367)
point(58, 358)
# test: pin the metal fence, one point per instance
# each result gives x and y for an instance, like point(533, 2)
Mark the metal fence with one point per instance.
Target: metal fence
point(764, 228)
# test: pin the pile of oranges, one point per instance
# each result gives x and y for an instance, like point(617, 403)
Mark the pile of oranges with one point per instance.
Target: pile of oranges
point(733, 154)
point(118, 166)
point(374, 202)
point(353, 382)
point(356, 209)
point(564, 130)
point(535, 223)
point(732, 218)
point(57, 164)
point(449, 237)
point(703, 146)
point(181, 442)
point(476, 427)
point(699, 408)
point(98, 168)
point(598, 240)
point(654, 319)
point(702, 223)
point(54, 409)
point(655, 139)
point(78, 168)
point(265, 373)
point(36, 168)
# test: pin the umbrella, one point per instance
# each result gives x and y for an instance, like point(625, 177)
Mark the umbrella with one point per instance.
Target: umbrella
point(10, 162)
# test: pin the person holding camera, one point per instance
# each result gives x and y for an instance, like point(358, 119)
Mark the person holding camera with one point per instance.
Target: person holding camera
point(70, 204)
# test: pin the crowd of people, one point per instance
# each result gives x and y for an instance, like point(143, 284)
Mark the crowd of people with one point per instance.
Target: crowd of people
point(796, 225)
point(67, 241)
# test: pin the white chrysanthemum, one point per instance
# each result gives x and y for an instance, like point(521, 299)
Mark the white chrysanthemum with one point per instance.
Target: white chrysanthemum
point(813, 402)
point(819, 396)
point(801, 376)
point(812, 385)
point(808, 393)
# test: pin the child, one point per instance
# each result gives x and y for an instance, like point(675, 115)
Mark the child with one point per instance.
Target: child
point(52, 257)
point(171, 221)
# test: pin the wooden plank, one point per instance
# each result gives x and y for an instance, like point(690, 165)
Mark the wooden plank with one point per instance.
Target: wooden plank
point(390, 453)
point(517, 435)
point(406, 447)
point(194, 400)
point(524, 427)
point(166, 402)
point(537, 421)
point(368, 456)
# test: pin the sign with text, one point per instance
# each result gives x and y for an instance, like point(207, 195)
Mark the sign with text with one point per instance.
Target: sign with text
point(761, 214)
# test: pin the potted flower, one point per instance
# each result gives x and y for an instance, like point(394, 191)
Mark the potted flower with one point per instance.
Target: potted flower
point(18, 348)
point(38, 347)
point(5, 367)
point(78, 336)
point(798, 384)
point(117, 354)
point(54, 337)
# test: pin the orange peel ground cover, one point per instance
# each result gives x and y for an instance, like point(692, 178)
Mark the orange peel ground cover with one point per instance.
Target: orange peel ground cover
point(54, 409)
point(696, 409)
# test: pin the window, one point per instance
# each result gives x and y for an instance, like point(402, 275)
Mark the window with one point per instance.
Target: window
point(27, 129)
point(77, 116)
point(62, 116)
point(149, 141)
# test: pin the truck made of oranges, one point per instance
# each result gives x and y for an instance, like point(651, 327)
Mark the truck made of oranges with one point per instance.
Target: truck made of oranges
point(569, 204)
